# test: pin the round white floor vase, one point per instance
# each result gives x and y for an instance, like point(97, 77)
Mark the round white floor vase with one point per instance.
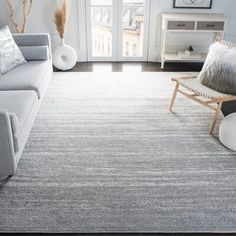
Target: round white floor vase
point(227, 132)
point(64, 57)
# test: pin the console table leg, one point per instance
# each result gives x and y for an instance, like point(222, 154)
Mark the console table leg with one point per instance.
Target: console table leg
point(162, 64)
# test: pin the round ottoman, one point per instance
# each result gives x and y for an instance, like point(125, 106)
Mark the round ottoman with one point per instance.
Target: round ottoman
point(64, 57)
point(227, 132)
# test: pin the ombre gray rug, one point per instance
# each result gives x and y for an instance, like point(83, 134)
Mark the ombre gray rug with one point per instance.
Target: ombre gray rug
point(105, 155)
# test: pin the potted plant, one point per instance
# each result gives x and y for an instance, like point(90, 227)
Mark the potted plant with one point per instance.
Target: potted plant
point(27, 6)
point(64, 56)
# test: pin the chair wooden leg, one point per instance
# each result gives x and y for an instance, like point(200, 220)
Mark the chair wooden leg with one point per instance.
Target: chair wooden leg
point(174, 97)
point(217, 114)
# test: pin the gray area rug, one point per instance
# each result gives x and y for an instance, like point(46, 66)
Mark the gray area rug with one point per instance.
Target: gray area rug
point(105, 155)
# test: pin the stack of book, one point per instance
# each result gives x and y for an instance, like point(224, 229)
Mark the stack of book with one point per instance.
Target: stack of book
point(189, 55)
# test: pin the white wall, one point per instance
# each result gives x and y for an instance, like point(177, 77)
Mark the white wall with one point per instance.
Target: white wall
point(41, 20)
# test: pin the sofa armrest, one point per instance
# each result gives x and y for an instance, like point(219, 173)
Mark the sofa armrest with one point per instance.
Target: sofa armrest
point(33, 39)
point(7, 154)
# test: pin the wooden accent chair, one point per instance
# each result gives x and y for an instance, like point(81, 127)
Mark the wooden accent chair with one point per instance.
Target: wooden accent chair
point(191, 88)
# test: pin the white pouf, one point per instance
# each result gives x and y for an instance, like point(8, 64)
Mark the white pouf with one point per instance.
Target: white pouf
point(64, 57)
point(227, 132)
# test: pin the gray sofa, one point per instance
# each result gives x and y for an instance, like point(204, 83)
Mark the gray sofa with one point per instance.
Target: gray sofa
point(21, 93)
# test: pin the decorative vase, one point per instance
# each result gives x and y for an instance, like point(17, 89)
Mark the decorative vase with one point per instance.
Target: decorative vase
point(64, 57)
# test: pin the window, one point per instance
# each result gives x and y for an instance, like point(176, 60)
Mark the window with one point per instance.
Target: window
point(135, 50)
point(126, 21)
point(127, 49)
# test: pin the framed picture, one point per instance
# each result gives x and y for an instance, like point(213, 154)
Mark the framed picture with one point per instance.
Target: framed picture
point(196, 4)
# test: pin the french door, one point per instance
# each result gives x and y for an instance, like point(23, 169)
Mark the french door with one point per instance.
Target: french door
point(117, 30)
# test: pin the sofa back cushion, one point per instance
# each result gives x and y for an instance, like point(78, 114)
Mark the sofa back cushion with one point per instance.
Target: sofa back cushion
point(33, 39)
point(219, 70)
point(10, 54)
point(35, 53)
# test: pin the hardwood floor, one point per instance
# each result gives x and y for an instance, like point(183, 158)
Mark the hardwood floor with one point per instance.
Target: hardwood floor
point(133, 66)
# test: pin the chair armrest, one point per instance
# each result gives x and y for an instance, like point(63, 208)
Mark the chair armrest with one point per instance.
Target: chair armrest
point(176, 79)
point(7, 155)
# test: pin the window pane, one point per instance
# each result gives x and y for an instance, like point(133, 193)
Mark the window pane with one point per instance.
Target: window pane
point(101, 31)
point(133, 2)
point(133, 28)
point(101, 2)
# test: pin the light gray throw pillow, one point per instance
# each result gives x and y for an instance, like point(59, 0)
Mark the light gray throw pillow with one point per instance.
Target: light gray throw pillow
point(10, 54)
point(219, 70)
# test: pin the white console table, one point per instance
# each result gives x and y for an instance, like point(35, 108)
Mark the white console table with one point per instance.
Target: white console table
point(189, 23)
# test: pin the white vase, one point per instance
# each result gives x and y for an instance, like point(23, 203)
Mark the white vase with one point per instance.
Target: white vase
point(64, 57)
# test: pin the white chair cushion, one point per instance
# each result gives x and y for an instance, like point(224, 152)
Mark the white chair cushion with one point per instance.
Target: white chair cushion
point(219, 70)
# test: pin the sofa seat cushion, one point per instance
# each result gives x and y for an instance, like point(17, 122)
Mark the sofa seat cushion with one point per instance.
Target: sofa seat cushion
point(19, 105)
point(29, 76)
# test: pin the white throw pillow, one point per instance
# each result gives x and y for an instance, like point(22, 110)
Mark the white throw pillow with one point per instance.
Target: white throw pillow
point(10, 54)
point(219, 70)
